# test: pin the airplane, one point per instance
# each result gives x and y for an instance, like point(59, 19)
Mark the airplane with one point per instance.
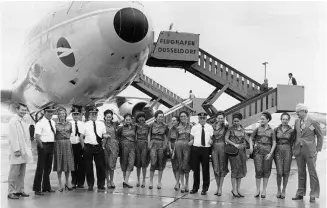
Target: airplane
point(83, 54)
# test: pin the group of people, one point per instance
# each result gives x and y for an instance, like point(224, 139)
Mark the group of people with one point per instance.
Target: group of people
point(73, 146)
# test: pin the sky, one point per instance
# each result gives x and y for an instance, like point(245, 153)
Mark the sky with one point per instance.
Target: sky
point(290, 36)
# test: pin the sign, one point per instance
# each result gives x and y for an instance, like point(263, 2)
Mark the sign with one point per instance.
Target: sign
point(177, 46)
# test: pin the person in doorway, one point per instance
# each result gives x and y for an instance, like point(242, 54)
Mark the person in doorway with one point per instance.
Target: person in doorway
point(44, 135)
point(201, 132)
point(262, 144)
point(20, 152)
point(292, 80)
point(308, 143)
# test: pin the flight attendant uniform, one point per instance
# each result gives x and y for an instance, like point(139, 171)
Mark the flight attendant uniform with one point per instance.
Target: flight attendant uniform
point(111, 145)
point(157, 157)
point(283, 152)
point(219, 158)
point(127, 138)
point(142, 157)
point(93, 150)
point(182, 148)
point(262, 146)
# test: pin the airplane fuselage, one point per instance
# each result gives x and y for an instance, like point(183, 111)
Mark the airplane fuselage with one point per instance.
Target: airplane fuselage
point(82, 53)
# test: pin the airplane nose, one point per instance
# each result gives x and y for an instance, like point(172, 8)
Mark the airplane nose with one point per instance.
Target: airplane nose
point(131, 25)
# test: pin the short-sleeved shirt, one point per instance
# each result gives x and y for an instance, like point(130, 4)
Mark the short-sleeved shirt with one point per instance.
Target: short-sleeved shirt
point(237, 135)
point(263, 135)
point(90, 137)
point(142, 131)
point(159, 130)
point(196, 132)
point(219, 134)
point(184, 132)
point(81, 129)
point(63, 130)
point(284, 136)
point(127, 133)
point(43, 129)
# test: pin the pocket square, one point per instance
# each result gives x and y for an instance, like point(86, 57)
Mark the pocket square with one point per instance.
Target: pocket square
point(311, 128)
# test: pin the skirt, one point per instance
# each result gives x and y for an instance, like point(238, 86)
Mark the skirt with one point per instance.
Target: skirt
point(238, 164)
point(111, 153)
point(262, 166)
point(157, 157)
point(283, 159)
point(182, 154)
point(63, 156)
point(142, 159)
point(127, 158)
point(219, 159)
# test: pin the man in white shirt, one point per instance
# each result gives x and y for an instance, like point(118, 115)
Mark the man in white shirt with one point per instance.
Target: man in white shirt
point(20, 152)
point(45, 131)
point(94, 132)
point(77, 141)
point(201, 133)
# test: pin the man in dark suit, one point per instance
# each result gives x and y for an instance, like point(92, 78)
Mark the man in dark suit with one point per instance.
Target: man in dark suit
point(305, 150)
point(292, 80)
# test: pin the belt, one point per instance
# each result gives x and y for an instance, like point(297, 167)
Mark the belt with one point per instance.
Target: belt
point(201, 147)
point(92, 145)
point(218, 141)
point(47, 142)
point(265, 144)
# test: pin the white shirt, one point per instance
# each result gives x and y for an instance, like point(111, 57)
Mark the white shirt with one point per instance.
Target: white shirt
point(43, 129)
point(81, 129)
point(196, 132)
point(90, 137)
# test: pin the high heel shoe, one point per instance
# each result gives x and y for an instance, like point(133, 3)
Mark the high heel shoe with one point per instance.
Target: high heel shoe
point(263, 196)
point(240, 195)
point(66, 187)
point(177, 188)
point(235, 195)
point(182, 190)
point(256, 196)
point(150, 187)
point(126, 185)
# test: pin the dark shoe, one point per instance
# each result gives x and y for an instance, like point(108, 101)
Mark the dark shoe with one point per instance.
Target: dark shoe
point(61, 190)
point(256, 196)
point(219, 194)
point(38, 193)
point(126, 185)
point(186, 190)
point(101, 189)
point(74, 186)
point(113, 186)
point(80, 186)
point(235, 195)
point(193, 191)
point(182, 191)
point(23, 194)
point(90, 188)
point(216, 193)
point(297, 197)
point(69, 189)
point(137, 185)
point(278, 196)
point(312, 199)
point(12, 196)
point(50, 191)
point(150, 187)
point(263, 196)
point(240, 195)
point(158, 187)
point(204, 192)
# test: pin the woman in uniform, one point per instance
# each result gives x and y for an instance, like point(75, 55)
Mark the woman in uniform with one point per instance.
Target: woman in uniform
point(283, 154)
point(219, 158)
point(142, 144)
point(237, 137)
point(111, 146)
point(63, 153)
point(127, 139)
point(158, 144)
point(264, 141)
point(172, 137)
point(183, 149)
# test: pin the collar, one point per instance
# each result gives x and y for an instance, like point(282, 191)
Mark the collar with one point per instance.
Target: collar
point(62, 122)
point(288, 126)
point(305, 118)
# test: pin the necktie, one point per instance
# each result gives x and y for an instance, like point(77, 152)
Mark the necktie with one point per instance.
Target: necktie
point(203, 143)
point(76, 129)
point(51, 127)
point(302, 124)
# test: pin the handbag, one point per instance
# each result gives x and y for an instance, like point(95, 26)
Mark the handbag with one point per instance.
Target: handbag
point(231, 150)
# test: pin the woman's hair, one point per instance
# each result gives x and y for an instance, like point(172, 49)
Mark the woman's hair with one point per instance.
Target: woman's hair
point(139, 115)
point(237, 115)
point(106, 112)
point(220, 113)
point(62, 109)
point(177, 118)
point(128, 115)
point(285, 113)
point(185, 112)
point(267, 115)
point(157, 113)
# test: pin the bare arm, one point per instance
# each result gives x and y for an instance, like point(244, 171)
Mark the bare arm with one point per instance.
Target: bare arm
point(227, 140)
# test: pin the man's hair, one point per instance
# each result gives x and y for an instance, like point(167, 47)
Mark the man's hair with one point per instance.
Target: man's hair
point(290, 74)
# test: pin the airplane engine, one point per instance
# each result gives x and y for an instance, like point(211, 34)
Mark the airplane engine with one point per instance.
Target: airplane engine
point(135, 106)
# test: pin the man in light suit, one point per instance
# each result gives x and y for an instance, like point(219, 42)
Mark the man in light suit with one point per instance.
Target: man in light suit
point(305, 150)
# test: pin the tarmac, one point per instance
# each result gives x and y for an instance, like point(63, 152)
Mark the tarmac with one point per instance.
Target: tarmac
point(166, 197)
